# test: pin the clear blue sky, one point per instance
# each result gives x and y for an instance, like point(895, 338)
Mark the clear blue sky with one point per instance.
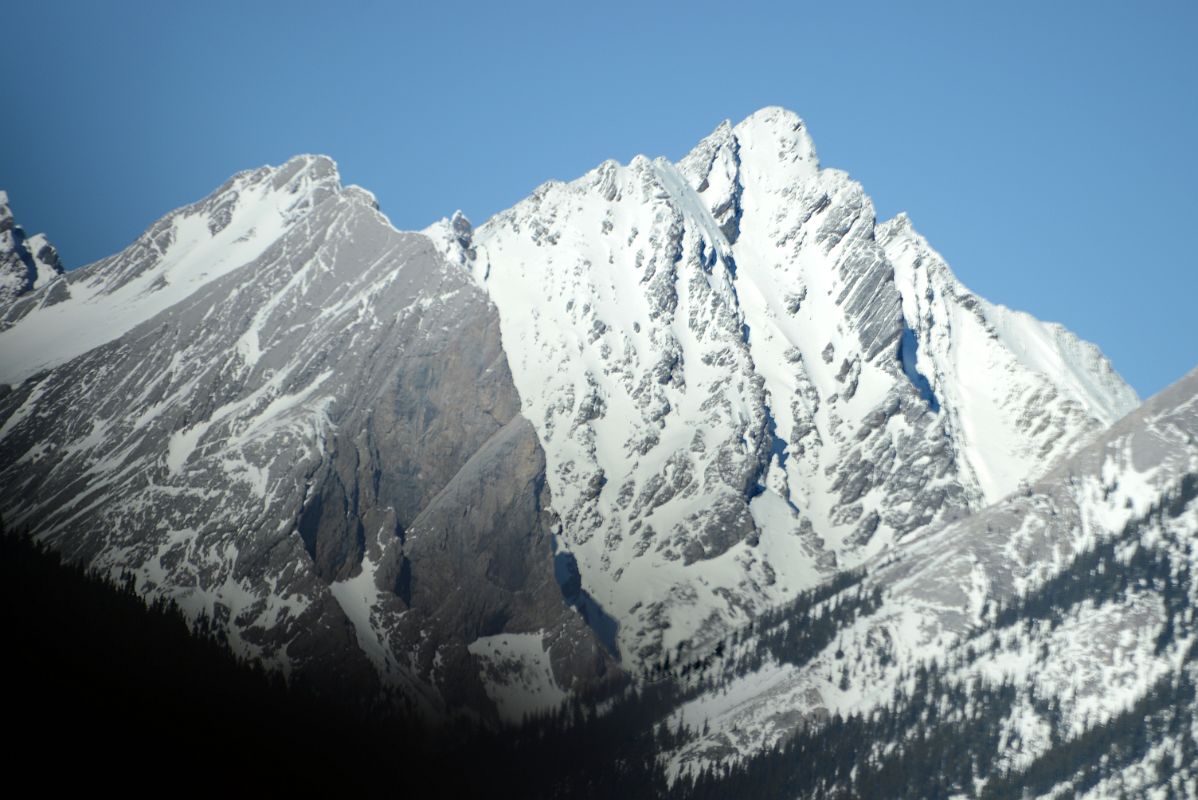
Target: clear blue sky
point(1048, 149)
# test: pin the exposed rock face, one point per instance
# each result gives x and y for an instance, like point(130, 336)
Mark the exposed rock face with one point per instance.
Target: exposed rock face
point(307, 448)
point(26, 262)
point(478, 563)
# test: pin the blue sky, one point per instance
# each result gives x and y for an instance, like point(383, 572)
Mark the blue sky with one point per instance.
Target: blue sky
point(1046, 149)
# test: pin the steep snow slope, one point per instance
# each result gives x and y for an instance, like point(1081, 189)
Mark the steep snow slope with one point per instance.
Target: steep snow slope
point(179, 254)
point(712, 356)
point(1021, 392)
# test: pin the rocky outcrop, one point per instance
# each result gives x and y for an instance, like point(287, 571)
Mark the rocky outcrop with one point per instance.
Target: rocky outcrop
point(26, 262)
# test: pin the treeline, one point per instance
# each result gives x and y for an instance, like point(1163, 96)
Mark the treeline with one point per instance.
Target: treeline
point(932, 741)
point(580, 754)
point(1116, 566)
point(793, 633)
point(1165, 714)
point(943, 737)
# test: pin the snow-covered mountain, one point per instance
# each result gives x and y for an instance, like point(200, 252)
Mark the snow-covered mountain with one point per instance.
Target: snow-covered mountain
point(485, 468)
point(743, 384)
point(26, 262)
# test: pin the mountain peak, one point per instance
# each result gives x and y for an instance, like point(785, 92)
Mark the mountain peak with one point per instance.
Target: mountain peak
point(774, 126)
point(316, 172)
point(774, 117)
point(184, 251)
point(316, 162)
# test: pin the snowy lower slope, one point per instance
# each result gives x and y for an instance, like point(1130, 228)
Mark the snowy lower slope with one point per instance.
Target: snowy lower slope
point(1076, 592)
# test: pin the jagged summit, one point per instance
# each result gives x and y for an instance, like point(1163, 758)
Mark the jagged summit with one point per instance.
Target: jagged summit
point(782, 131)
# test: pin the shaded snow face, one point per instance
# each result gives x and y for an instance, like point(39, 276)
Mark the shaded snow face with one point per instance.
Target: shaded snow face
point(908, 353)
